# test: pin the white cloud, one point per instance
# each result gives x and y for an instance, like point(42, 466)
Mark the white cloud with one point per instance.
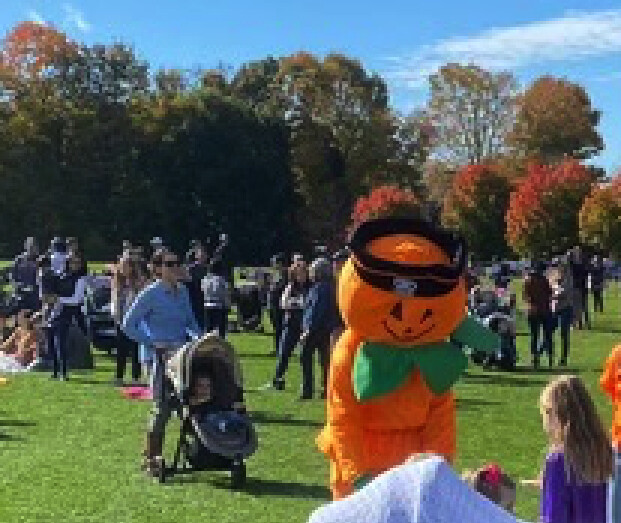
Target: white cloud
point(35, 16)
point(76, 17)
point(572, 37)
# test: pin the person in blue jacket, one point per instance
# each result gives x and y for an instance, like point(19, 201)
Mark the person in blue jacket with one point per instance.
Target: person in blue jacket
point(161, 318)
point(319, 321)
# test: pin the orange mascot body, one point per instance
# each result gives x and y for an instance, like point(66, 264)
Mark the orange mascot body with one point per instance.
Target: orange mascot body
point(403, 287)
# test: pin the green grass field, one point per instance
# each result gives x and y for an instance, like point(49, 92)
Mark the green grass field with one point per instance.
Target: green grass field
point(69, 452)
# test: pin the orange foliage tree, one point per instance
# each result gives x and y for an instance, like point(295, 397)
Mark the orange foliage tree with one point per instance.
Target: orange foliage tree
point(555, 120)
point(600, 218)
point(385, 200)
point(477, 204)
point(33, 51)
point(543, 211)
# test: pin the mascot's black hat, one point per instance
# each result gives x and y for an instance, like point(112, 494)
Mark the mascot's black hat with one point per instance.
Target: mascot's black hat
point(405, 279)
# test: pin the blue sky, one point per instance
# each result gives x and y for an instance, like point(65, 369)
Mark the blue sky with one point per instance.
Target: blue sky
point(402, 40)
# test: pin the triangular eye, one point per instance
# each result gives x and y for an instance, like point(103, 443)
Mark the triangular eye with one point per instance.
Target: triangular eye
point(426, 315)
point(397, 311)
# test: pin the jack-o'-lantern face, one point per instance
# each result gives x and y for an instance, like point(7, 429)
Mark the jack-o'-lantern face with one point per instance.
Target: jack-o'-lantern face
point(400, 318)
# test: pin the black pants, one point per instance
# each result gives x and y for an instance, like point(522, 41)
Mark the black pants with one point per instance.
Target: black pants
point(216, 320)
point(124, 348)
point(563, 320)
point(58, 337)
point(585, 307)
point(288, 340)
point(276, 317)
point(319, 342)
point(75, 314)
point(536, 324)
point(598, 300)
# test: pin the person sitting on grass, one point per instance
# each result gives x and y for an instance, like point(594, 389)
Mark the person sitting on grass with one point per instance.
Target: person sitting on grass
point(580, 461)
point(20, 349)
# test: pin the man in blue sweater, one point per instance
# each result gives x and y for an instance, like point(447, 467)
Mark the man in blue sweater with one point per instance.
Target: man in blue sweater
point(161, 318)
point(320, 319)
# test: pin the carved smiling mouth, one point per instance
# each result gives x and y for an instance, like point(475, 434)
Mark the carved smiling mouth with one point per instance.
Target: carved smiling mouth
point(405, 339)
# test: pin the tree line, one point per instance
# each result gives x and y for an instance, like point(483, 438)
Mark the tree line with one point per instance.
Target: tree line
point(95, 144)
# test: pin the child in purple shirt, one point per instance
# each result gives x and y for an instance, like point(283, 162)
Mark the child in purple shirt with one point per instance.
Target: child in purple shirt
point(574, 480)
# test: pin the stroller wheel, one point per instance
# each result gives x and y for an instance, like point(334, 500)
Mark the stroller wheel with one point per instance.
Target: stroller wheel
point(238, 474)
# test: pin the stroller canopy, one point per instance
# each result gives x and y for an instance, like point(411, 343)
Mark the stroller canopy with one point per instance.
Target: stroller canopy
point(179, 367)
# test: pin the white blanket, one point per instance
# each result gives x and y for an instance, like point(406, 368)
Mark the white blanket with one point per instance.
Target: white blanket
point(423, 491)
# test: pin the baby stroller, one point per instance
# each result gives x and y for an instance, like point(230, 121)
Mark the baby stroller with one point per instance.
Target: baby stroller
point(249, 307)
point(496, 309)
point(216, 433)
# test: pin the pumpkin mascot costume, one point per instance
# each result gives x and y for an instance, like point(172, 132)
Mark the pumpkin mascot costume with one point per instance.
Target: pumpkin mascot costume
point(402, 295)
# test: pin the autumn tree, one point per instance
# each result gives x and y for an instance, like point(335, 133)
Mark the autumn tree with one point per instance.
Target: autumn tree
point(344, 137)
point(476, 205)
point(543, 211)
point(600, 218)
point(555, 120)
point(472, 111)
point(386, 200)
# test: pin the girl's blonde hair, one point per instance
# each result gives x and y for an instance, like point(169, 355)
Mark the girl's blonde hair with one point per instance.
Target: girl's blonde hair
point(587, 448)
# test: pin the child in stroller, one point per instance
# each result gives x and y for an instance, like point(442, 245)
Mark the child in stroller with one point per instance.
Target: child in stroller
point(216, 433)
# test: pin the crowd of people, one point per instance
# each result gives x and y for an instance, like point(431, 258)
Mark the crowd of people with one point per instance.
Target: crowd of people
point(556, 297)
point(159, 302)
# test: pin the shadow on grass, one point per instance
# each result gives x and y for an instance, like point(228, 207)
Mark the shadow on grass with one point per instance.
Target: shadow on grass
point(16, 423)
point(10, 437)
point(474, 404)
point(82, 381)
point(270, 418)
point(601, 330)
point(270, 487)
point(258, 487)
point(257, 355)
point(505, 379)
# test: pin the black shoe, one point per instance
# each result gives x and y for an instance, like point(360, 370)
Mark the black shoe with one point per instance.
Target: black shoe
point(323, 395)
point(562, 362)
point(278, 384)
point(305, 397)
point(536, 362)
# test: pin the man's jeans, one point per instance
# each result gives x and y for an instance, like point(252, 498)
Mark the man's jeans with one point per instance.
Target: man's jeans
point(537, 323)
point(163, 405)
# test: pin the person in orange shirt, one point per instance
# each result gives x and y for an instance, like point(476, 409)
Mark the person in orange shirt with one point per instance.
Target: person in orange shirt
point(611, 385)
point(402, 296)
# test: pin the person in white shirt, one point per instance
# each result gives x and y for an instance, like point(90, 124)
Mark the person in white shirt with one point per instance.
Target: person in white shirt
point(71, 292)
point(217, 296)
point(58, 256)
